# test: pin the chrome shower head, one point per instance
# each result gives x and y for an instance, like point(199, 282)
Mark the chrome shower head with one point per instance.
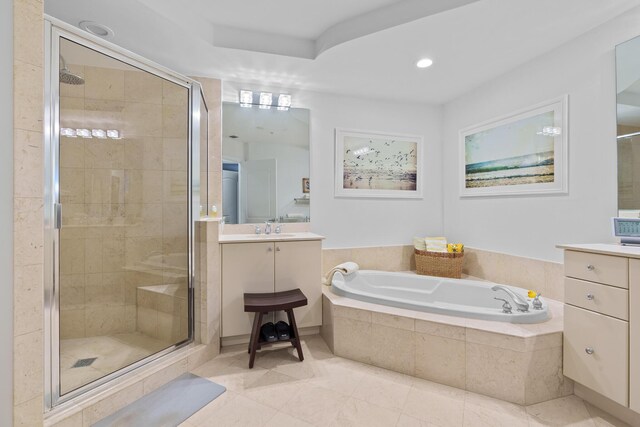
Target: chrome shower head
point(67, 77)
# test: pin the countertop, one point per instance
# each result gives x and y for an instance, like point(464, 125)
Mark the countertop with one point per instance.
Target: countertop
point(605, 248)
point(273, 237)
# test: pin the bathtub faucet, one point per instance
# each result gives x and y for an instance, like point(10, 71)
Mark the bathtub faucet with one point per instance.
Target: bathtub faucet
point(329, 278)
point(520, 303)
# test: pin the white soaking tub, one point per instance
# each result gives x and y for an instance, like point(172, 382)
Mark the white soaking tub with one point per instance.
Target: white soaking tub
point(455, 297)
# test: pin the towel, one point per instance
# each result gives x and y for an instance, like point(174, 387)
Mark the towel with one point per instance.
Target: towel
point(350, 267)
point(346, 268)
point(419, 244)
point(436, 244)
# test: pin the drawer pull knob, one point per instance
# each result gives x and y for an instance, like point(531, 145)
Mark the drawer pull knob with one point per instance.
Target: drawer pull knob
point(269, 249)
point(588, 350)
point(590, 267)
point(277, 248)
point(590, 297)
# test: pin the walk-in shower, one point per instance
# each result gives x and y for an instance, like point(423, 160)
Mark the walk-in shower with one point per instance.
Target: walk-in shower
point(122, 191)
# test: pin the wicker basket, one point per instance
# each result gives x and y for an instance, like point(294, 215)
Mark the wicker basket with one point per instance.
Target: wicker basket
point(441, 264)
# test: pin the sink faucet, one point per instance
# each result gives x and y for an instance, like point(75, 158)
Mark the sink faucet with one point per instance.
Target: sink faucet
point(267, 227)
point(520, 303)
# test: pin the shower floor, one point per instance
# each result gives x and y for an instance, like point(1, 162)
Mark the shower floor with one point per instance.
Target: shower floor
point(111, 352)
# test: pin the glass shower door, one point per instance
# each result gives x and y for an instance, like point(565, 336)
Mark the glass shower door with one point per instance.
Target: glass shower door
point(123, 197)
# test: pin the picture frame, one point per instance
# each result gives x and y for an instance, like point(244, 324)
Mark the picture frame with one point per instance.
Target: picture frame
point(522, 153)
point(378, 164)
point(306, 188)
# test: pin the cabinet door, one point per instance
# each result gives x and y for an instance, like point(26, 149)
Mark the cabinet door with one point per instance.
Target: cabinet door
point(246, 267)
point(634, 334)
point(596, 352)
point(298, 266)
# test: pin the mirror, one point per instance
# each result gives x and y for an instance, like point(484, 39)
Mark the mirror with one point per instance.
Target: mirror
point(628, 127)
point(265, 164)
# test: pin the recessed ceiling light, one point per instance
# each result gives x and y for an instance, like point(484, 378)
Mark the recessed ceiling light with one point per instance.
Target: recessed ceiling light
point(424, 63)
point(96, 29)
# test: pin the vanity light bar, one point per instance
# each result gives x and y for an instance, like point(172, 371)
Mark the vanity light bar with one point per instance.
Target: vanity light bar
point(69, 133)
point(265, 100)
point(83, 133)
point(90, 133)
point(284, 101)
point(98, 133)
point(246, 98)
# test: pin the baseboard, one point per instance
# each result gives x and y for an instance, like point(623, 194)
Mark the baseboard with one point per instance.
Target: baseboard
point(621, 412)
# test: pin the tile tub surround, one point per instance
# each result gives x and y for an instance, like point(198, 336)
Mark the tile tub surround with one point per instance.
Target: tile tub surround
point(512, 362)
point(527, 273)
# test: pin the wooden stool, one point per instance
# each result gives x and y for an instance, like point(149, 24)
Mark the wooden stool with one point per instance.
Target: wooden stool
point(263, 303)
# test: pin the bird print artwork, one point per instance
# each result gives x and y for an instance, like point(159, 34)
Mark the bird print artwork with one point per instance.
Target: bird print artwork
point(380, 163)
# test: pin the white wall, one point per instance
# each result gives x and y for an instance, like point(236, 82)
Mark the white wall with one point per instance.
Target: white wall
point(531, 226)
point(6, 213)
point(366, 222)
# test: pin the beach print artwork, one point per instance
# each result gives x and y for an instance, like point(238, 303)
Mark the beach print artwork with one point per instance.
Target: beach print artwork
point(377, 165)
point(512, 154)
point(514, 157)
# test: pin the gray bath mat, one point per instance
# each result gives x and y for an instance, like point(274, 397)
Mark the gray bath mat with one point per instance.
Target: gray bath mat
point(168, 406)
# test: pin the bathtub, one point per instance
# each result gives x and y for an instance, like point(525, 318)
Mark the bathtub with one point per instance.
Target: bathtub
point(455, 297)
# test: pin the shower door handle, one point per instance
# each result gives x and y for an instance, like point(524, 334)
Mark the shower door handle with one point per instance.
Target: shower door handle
point(58, 216)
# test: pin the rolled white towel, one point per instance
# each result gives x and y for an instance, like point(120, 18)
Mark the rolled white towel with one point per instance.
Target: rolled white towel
point(346, 268)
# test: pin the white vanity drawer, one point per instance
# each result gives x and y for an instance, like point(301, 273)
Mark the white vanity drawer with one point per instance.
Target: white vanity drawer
point(604, 299)
point(610, 270)
point(596, 352)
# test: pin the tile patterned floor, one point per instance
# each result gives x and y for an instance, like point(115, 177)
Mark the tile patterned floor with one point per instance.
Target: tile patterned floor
point(112, 352)
point(325, 390)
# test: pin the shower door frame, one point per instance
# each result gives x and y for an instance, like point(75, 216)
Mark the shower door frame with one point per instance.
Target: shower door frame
point(55, 30)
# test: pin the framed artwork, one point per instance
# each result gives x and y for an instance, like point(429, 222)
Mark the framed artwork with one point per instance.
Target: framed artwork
point(305, 185)
point(376, 164)
point(523, 153)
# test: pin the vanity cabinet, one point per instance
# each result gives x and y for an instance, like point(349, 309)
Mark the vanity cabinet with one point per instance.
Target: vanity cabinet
point(602, 320)
point(269, 266)
point(634, 334)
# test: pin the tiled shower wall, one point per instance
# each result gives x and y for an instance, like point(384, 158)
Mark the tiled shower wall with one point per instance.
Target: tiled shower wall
point(124, 202)
point(28, 194)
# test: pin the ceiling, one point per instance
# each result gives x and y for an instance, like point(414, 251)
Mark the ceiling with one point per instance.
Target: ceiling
point(364, 48)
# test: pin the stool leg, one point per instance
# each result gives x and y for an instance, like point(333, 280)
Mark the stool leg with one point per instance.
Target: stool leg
point(255, 336)
point(294, 331)
point(256, 325)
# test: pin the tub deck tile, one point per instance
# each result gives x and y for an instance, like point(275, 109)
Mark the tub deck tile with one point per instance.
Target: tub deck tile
point(517, 363)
